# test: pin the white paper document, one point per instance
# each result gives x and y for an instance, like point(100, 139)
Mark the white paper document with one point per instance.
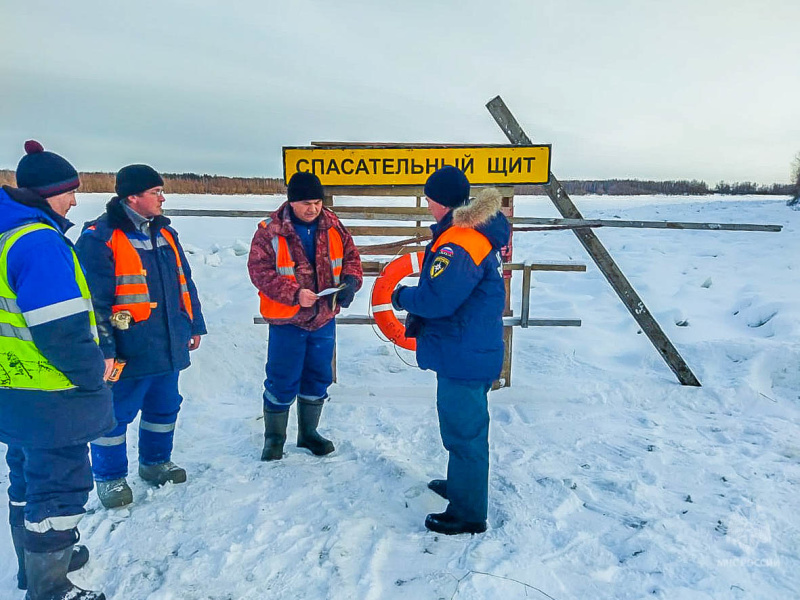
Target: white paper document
point(329, 291)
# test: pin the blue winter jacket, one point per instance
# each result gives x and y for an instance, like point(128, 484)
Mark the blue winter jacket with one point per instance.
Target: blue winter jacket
point(458, 304)
point(41, 272)
point(159, 344)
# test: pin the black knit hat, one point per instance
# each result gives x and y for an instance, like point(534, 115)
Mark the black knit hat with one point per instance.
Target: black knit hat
point(448, 186)
point(304, 186)
point(45, 173)
point(135, 179)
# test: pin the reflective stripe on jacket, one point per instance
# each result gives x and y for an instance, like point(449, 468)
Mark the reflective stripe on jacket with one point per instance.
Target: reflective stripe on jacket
point(272, 309)
point(22, 365)
point(131, 292)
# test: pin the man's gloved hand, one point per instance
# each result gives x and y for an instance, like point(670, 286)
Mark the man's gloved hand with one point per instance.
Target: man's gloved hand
point(344, 296)
point(396, 297)
point(413, 326)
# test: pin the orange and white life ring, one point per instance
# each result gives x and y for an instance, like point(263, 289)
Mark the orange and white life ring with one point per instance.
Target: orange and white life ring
point(381, 299)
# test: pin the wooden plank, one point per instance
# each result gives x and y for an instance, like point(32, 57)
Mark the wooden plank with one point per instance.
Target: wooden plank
point(197, 212)
point(507, 321)
point(391, 252)
point(599, 254)
point(572, 223)
point(382, 230)
point(410, 213)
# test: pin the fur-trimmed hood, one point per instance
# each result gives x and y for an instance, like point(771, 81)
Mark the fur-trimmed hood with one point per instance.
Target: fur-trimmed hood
point(483, 213)
point(479, 210)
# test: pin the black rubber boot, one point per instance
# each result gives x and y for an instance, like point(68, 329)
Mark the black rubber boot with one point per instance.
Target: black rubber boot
point(447, 524)
point(439, 487)
point(274, 434)
point(80, 556)
point(47, 577)
point(162, 473)
point(308, 414)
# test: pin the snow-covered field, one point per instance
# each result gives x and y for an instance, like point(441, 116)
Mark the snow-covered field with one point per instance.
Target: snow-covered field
point(608, 478)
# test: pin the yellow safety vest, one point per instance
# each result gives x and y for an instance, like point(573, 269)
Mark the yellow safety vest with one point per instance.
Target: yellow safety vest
point(22, 366)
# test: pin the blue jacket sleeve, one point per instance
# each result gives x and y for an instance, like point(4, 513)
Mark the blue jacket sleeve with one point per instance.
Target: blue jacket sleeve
point(97, 261)
point(41, 271)
point(444, 285)
point(198, 321)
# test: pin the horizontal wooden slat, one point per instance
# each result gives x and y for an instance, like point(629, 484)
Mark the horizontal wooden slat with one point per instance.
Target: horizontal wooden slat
point(390, 252)
point(507, 321)
point(373, 267)
point(381, 230)
point(410, 213)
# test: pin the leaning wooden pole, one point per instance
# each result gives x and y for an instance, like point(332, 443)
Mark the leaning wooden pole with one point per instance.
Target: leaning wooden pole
point(599, 254)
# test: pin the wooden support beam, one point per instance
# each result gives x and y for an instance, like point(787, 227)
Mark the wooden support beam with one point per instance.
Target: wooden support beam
point(502, 115)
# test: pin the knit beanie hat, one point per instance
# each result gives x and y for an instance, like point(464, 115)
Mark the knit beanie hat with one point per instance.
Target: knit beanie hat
point(135, 179)
point(45, 173)
point(304, 186)
point(448, 186)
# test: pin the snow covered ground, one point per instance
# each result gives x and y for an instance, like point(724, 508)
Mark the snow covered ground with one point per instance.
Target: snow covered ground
point(608, 478)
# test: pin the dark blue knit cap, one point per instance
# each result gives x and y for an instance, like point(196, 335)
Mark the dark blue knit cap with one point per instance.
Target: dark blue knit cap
point(135, 179)
point(448, 186)
point(304, 186)
point(45, 173)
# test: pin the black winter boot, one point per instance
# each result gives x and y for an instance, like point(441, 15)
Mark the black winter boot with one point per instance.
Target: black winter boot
point(80, 556)
point(308, 414)
point(274, 434)
point(47, 577)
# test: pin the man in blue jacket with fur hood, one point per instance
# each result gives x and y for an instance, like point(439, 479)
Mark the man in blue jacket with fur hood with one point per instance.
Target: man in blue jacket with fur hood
point(456, 314)
point(149, 315)
point(53, 399)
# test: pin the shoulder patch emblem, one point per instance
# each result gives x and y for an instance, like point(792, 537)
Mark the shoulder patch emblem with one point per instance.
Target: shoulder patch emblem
point(439, 265)
point(446, 251)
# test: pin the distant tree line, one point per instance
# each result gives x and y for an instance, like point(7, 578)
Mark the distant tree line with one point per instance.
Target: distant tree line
point(190, 183)
point(180, 183)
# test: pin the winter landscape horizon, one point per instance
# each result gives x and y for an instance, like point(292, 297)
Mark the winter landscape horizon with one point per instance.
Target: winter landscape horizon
point(608, 478)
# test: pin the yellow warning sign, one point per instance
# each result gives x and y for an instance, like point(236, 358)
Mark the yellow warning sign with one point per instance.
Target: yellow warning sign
point(412, 165)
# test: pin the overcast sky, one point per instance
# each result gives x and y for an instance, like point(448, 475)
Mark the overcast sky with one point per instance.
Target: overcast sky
point(681, 89)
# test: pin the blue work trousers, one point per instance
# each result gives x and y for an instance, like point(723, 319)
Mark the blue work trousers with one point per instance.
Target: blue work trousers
point(464, 424)
point(158, 399)
point(48, 491)
point(299, 364)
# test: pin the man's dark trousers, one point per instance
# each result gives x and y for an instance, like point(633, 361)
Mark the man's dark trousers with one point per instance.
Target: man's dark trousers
point(299, 363)
point(48, 491)
point(464, 426)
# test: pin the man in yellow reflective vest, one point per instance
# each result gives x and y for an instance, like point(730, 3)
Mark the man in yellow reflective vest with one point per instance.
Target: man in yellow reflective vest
point(149, 315)
point(53, 398)
point(301, 249)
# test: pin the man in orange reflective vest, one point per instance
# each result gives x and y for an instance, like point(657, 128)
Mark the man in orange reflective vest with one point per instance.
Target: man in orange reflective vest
point(149, 316)
point(300, 250)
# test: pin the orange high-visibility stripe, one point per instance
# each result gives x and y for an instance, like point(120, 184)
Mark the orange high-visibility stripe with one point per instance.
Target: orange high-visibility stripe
point(131, 292)
point(474, 242)
point(272, 309)
point(284, 265)
point(186, 299)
